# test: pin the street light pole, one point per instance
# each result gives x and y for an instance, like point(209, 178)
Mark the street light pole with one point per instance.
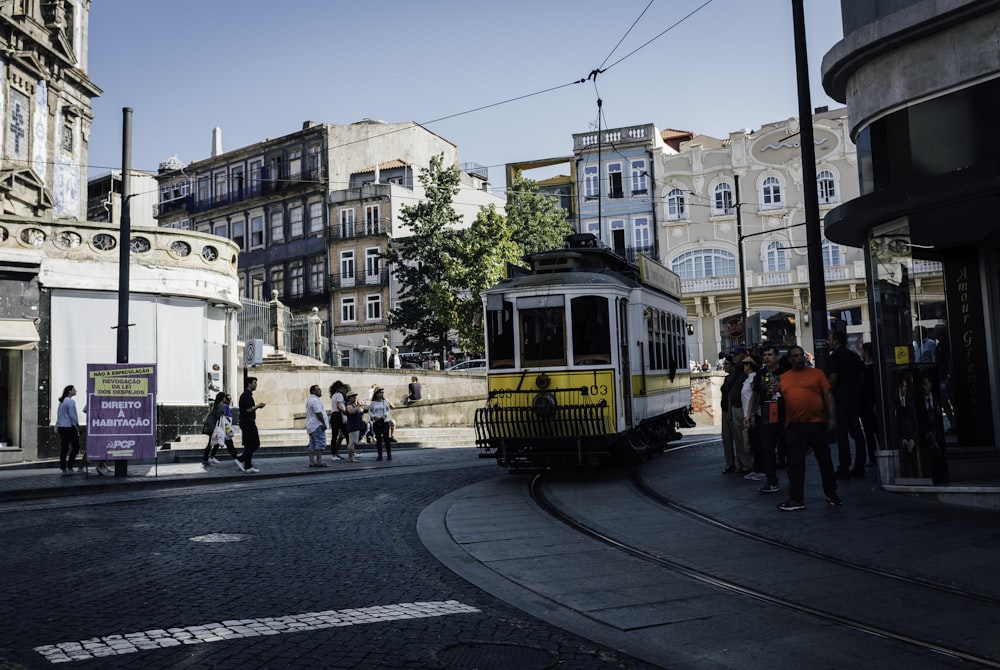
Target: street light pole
point(814, 236)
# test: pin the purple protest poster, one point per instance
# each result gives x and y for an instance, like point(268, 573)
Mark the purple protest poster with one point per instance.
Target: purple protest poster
point(121, 411)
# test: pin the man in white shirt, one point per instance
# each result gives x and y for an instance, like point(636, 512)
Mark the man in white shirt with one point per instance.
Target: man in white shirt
point(316, 426)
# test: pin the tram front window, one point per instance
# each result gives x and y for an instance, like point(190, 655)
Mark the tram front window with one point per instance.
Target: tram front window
point(591, 331)
point(543, 336)
point(500, 334)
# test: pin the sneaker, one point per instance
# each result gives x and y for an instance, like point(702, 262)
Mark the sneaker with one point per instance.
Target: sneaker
point(213, 460)
point(336, 458)
point(749, 475)
point(102, 470)
point(755, 476)
point(834, 500)
point(252, 470)
point(240, 465)
point(769, 488)
point(68, 472)
point(791, 505)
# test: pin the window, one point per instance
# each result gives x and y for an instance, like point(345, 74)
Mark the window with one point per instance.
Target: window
point(346, 223)
point(67, 137)
point(348, 311)
point(776, 257)
point(676, 205)
point(831, 254)
point(373, 263)
point(221, 229)
point(371, 219)
point(347, 268)
point(615, 181)
point(591, 330)
point(315, 217)
point(221, 190)
point(770, 194)
point(237, 182)
point(277, 281)
point(257, 286)
point(500, 333)
point(295, 164)
point(277, 226)
point(827, 187)
point(590, 182)
point(312, 163)
point(256, 231)
point(723, 203)
point(295, 272)
point(256, 174)
point(274, 173)
point(204, 189)
point(295, 221)
point(373, 308)
point(704, 263)
point(640, 229)
point(317, 270)
point(543, 331)
point(238, 236)
point(593, 227)
point(639, 175)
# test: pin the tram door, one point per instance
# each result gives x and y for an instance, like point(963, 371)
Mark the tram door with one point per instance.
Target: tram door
point(625, 361)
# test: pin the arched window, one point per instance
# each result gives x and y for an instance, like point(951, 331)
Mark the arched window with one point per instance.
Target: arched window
point(676, 205)
point(826, 185)
point(723, 203)
point(831, 254)
point(704, 263)
point(777, 257)
point(770, 194)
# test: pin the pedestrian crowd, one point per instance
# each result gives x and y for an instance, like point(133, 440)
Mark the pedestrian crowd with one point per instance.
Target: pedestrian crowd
point(777, 408)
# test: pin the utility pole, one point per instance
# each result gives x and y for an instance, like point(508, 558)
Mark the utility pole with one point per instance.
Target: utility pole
point(814, 236)
point(124, 251)
point(743, 268)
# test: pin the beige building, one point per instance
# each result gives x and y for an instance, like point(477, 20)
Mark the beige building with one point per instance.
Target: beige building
point(720, 198)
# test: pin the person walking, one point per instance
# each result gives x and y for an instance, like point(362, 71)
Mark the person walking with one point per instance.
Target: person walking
point(379, 410)
point(728, 445)
point(354, 422)
point(68, 427)
point(810, 412)
point(768, 410)
point(248, 425)
point(214, 421)
point(338, 418)
point(227, 414)
point(843, 369)
point(316, 426)
point(737, 428)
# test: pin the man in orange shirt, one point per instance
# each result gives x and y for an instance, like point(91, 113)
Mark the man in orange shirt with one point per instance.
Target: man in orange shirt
point(809, 414)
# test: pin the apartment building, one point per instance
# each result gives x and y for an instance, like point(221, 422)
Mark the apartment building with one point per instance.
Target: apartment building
point(312, 213)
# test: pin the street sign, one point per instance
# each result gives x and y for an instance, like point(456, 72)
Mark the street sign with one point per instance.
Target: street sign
point(253, 353)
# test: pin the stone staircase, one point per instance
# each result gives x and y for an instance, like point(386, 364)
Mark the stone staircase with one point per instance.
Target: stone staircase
point(292, 442)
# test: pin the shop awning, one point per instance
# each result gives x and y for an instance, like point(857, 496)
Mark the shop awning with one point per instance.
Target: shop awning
point(18, 334)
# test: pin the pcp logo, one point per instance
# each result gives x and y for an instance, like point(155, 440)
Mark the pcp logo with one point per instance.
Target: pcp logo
point(120, 444)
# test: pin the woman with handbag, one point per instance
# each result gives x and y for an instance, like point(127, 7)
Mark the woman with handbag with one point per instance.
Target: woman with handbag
point(227, 416)
point(215, 427)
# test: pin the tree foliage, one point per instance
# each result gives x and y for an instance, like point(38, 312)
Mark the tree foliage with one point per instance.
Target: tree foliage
point(423, 262)
point(538, 221)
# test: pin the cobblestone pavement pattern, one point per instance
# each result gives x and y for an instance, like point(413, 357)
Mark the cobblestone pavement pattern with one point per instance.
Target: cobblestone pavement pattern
point(304, 572)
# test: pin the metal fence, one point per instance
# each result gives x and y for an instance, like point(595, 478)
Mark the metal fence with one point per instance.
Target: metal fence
point(302, 335)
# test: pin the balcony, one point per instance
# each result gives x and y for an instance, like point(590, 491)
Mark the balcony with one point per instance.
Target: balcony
point(618, 136)
point(710, 284)
point(359, 229)
point(343, 280)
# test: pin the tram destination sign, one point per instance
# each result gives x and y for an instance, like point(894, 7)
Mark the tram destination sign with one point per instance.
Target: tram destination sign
point(657, 276)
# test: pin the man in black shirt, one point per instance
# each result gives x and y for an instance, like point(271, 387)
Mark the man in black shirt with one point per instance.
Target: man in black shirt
point(248, 426)
point(843, 368)
point(767, 397)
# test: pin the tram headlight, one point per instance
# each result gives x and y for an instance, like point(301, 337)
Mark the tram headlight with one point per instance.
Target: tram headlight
point(544, 405)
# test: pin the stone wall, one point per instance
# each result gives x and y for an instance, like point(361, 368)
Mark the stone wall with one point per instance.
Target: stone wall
point(706, 398)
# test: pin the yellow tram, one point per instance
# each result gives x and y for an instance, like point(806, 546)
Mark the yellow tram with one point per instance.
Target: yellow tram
point(587, 360)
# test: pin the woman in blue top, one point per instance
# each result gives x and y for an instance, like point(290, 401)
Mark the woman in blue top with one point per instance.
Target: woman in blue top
point(68, 425)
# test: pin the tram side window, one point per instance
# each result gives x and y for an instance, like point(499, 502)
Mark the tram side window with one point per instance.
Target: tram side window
point(591, 330)
point(500, 332)
point(543, 336)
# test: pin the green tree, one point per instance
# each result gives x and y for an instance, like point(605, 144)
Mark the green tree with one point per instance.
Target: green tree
point(538, 221)
point(483, 253)
point(424, 261)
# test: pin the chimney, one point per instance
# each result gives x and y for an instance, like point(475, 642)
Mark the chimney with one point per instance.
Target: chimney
point(216, 141)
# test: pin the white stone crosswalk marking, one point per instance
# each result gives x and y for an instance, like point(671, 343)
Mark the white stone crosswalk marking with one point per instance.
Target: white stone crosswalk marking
point(161, 638)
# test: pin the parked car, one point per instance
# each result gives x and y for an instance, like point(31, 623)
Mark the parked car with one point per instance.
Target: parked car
point(472, 365)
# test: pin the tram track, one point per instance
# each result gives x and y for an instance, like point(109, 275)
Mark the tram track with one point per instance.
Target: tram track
point(899, 604)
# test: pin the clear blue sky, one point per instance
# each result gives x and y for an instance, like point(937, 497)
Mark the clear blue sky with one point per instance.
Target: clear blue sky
point(258, 69)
